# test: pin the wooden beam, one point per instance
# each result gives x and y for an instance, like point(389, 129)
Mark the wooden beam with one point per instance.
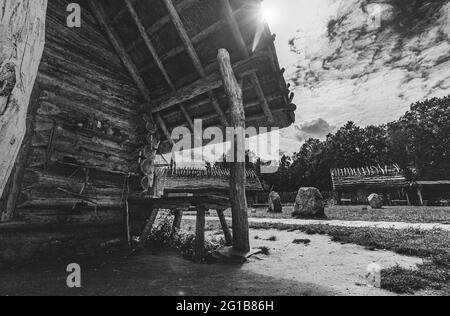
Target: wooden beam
point(161, 23)
point(148, 43)
point(175, 17)
point(241, 239)
point(226, 230)
point(123, 55)
point(155, 56)
point(204, 34)
point(147, 231)
point(164, 128)
point(243, 47)
point(213, 81)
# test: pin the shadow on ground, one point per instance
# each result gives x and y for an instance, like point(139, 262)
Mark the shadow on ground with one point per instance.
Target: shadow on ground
point(150, 274)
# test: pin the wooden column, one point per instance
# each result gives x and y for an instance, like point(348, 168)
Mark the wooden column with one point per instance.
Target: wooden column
point(200, 232)
point(226, 230)
point(177, 221)
point(145, 235)
point(419, 193)
point(21, 46)
point(241, 240)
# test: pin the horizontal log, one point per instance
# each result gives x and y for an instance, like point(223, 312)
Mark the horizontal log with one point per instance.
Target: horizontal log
point(213, 81)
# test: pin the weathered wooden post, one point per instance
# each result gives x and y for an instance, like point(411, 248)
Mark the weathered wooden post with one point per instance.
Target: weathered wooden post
point(241, 240)
point(226, 230)
point(21, 46)
point(200, 232)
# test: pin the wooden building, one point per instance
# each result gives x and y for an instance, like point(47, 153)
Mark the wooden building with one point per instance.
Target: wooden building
point(82, 108)
point(354, 185)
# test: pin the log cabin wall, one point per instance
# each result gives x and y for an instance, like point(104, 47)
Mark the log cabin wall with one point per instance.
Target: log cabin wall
point(84, 140)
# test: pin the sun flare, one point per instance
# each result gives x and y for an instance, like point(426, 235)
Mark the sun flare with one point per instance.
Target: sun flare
point(268, 14)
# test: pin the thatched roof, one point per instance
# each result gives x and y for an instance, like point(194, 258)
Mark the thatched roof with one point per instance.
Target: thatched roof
point(193, 180)
point(374, 177)
point(172, 48)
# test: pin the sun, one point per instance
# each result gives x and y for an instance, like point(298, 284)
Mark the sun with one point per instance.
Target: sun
point(268, 14)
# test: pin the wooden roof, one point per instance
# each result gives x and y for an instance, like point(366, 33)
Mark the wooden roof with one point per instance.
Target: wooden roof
point(368, 177)
point(170, 48)
point(194, 180)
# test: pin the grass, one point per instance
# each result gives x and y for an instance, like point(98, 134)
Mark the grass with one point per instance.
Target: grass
point(407, 214)
point(433, 246)
point(162, 237)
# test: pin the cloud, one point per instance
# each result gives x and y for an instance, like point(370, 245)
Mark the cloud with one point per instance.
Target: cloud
point(366, 37)
point(318, 128)
point(363, 60)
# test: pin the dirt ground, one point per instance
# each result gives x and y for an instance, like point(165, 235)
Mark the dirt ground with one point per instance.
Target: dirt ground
point(321, 268)
point(339, 268)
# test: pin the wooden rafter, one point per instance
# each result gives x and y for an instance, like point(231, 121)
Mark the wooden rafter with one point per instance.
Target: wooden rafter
point(175, 17)
point(213, 81)
point(161, 23)
point(214, 28)
point(125, 58)
point(228, 11)
point(156, 58)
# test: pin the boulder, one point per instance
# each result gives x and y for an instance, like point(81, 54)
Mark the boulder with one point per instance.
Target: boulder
point(309, 204)
point(275, 203)
point(375, 201)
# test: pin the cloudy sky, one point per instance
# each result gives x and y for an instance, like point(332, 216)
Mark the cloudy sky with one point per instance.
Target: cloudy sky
point(359, 60)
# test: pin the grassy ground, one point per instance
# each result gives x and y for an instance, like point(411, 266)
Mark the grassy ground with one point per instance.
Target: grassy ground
point(359, 213)
point(433, 246)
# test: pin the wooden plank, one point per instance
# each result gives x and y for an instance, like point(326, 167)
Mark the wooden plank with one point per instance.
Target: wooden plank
point(241, 239)
point(228, 11)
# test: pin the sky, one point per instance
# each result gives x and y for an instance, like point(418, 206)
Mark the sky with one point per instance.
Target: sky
point(358, 60)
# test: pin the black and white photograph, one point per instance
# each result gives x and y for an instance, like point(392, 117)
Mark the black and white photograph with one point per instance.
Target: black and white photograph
point(226, 155)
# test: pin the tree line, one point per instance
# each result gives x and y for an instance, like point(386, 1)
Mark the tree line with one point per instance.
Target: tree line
point(419, 142)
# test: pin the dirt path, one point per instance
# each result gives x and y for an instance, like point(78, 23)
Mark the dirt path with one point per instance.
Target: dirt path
point(362, 224)
point(340, 268)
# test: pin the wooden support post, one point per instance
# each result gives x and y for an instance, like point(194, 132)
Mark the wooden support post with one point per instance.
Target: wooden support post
point(407, 197)
point(200, 232)
point(419, 193)
point(226, 230)
point(241, 239)
point(148, 229)
point(177, 221)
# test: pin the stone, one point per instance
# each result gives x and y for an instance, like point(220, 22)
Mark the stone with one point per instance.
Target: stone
point(309, 203)
point(375, 201)
point(275, 203)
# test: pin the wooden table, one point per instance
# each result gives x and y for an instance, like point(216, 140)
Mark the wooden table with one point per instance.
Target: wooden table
point(200, 203)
